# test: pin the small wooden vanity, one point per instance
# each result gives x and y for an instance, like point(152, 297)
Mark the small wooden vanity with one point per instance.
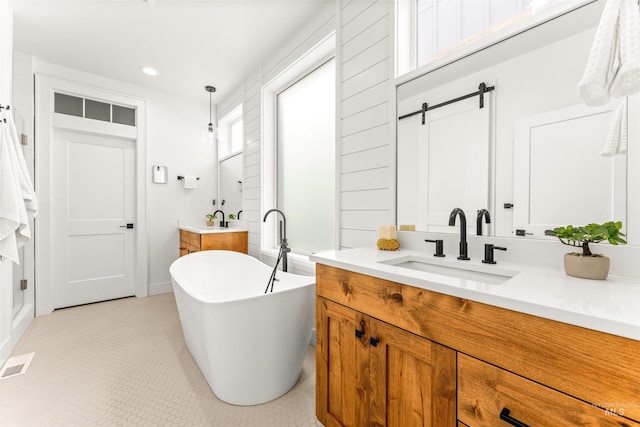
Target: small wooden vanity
point(391, 354)
point(191, 241)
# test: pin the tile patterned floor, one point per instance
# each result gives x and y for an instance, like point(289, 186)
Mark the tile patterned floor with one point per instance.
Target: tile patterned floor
point(125, 363)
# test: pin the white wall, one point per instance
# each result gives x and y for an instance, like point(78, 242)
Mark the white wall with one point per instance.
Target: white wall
point(6, 267)
point(173, 140)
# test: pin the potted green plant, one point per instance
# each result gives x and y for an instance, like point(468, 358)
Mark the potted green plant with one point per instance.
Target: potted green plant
point(586, 264)
point(210, 220)
point(232, 216)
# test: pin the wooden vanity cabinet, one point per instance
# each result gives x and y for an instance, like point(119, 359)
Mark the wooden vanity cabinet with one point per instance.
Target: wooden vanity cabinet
point(374, 374)
point(545, 373)
point(230, 241)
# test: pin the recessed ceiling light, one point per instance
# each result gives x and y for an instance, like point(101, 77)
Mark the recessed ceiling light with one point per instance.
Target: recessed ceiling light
point(150, 71)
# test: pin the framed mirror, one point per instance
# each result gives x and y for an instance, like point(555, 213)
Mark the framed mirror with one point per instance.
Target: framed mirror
point(529, 84)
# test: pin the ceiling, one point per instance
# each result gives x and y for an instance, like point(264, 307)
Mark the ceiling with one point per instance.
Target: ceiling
point(191, 43)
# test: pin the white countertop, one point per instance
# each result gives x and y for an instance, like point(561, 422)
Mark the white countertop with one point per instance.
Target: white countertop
point(201, 228)
point(611, 306)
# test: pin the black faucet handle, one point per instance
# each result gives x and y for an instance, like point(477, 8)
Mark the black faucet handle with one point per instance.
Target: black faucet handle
point(439, 247)
point(488, 252)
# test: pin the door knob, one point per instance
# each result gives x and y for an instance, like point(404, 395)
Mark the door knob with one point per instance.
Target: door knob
point(130, 225)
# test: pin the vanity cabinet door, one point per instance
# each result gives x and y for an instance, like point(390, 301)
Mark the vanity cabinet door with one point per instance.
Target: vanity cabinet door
point(342, 365)
point(369, 373)
point(413, 380)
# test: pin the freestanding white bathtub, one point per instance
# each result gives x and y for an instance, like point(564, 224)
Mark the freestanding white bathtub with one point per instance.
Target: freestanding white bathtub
point(249, 345)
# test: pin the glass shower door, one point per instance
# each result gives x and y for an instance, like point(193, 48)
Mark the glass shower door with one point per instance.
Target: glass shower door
point(23, 273)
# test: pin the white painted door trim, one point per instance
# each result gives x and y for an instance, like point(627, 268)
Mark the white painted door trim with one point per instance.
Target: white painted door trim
point(45, 88)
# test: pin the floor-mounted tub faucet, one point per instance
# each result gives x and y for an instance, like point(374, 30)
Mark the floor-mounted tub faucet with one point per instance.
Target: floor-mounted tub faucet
point(284, 249)
point(482, 213)
point(222, 223)
point(463, 231)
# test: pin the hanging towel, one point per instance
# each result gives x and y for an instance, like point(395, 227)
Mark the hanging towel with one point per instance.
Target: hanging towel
point(627, 79)
point(616, 142)
point(613, 63)
point(190, 181)
point(11, 207)
point(24, 178)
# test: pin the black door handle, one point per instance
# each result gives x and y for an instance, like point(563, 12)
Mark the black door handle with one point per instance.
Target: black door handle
point(374, 341)
point(504, 416)
point(130, 225)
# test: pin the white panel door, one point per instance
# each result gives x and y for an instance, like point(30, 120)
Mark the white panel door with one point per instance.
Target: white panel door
point(93, 200)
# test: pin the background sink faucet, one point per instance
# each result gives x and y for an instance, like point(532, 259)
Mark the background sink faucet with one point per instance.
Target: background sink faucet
point(222, 223)
point(463, 231)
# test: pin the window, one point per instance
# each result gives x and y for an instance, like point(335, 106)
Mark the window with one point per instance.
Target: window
point(306, 159)
point(230, 139)
point(91, 109)
point(445, 25)
point(236, 136)
point(438, 31)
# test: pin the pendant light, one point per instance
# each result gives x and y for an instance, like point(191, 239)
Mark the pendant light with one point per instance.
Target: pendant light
point(211, 131)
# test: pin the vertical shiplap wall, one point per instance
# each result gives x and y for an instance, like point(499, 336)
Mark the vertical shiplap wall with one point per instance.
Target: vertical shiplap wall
point(366, 123)
point(366, 127)
point(251, 177)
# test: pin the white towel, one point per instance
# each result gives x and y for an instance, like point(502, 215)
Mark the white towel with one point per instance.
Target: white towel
point(616, 142)
point(613, 63)
point(26, 185)
point(11, 206)
point(627, 79)
point(190, 181)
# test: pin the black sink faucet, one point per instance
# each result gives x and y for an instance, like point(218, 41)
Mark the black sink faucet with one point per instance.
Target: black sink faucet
point(463, 231)
point(482, 213)
point(284, 249)
point(222, 224)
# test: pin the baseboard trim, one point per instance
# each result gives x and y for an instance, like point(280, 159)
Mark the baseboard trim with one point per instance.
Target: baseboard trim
point(160, 288)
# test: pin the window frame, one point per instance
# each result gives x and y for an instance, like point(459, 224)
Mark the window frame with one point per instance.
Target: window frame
point(224, 133)
point(311, 60)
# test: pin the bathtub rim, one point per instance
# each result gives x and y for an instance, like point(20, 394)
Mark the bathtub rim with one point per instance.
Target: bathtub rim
point(175, 277)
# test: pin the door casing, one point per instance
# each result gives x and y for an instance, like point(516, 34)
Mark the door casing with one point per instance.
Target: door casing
point(45, 87)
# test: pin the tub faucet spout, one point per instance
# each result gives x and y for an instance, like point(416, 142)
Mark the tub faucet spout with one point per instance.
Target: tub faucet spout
point(284, 248)
point(463, 231)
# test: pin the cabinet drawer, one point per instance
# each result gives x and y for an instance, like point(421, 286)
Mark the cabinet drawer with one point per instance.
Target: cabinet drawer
point(189, 237)
point(485, 391)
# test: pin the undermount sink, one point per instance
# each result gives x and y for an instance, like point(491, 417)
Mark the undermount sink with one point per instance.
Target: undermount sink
point(489, 274)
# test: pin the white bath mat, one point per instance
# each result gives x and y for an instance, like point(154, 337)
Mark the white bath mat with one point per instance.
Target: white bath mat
point(16, 365)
